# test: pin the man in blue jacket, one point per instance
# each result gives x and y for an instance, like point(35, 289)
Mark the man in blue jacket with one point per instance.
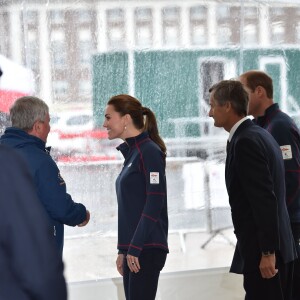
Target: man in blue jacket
point(28, 135)
point(30, 266)
point(267, 114)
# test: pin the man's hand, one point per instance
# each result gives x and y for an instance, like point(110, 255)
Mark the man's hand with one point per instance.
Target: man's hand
point(86, 220)
point(267, 266)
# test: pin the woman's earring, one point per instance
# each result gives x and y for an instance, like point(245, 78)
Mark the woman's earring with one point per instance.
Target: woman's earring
point(125, 127)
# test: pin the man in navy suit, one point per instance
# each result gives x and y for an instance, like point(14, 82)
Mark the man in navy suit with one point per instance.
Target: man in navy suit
point(254, 176)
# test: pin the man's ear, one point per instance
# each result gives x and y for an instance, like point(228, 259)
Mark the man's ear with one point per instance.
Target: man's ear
point(260, 90)
point(228, 106)
point(36, 126)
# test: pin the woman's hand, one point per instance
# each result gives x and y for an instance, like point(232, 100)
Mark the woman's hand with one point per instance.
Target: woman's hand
point(133, 263)
point(119, 263)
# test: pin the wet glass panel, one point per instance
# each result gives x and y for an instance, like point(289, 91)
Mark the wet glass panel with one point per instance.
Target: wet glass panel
point(77, 54)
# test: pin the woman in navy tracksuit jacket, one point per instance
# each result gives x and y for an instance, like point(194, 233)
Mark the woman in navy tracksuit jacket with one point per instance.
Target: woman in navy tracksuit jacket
point(142, 196)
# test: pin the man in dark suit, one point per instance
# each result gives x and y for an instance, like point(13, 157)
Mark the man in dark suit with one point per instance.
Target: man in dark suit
point(254, 177)
point(30, 266)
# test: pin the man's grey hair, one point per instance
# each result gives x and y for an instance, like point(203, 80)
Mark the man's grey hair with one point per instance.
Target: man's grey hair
point(26, 111)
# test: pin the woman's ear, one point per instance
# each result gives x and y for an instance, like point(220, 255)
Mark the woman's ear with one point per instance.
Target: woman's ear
point(127, 119)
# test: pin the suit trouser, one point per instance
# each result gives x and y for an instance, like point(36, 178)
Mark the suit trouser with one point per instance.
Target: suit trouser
point(143, 285)
point(277, 288)
point(296, 279)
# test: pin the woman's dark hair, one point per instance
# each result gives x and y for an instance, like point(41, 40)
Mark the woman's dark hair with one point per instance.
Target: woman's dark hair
point(142, 117)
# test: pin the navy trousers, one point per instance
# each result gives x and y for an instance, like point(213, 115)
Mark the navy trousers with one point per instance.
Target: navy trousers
point(296, 279)
point(143, 285)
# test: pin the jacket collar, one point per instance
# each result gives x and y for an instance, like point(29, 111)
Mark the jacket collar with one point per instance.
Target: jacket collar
point(242, 126)
point(132, 142)
point(269, 111)
point(22, 137)
point(235, 127)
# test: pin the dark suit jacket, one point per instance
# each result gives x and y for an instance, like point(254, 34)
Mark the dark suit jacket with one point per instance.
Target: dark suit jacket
point(30, 266)
point(254, 176)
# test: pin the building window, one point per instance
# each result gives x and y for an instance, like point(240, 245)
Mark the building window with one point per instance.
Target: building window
point(250, 31)
point(57, 17)
point(210, 73)
point(250, 34)
point(171, 26)
point(224, 27)
point(31, 17)
point(5, 34)
point(143, 27)
point(277, 33)
point(224, 35)
point(85, 88)
point(251, 13)
point(32, 55)
point(223, 12)
point(84, 16)
point(60, 88)
point(115, 28)
point(58, 49)
point(298, 33)
point(278, 23)
point(198, 25)
point(85, 46)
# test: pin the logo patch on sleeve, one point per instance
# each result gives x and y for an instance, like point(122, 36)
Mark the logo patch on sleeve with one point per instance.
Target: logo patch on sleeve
point(154, 177)
point(286, 152)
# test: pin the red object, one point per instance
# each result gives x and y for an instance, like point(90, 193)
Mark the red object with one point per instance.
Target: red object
point(84, 158)
point(7, 98)
point(95, 134)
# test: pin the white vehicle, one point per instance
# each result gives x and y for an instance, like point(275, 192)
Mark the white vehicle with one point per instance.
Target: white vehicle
point(68, 132)
point(73, 135)
point(72, 121)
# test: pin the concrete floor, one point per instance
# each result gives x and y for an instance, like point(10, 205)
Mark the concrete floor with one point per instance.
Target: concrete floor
point(92, 257)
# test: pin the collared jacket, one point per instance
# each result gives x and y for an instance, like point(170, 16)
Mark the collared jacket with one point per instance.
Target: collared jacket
point(287, 135)
point(142, 197)
point(51, 187)
point(254, 174)
point(30, 266)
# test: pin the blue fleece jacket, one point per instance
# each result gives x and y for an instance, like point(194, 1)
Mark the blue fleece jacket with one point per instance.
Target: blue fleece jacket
point(51, 187)
point(287, 135)
point(142, 197)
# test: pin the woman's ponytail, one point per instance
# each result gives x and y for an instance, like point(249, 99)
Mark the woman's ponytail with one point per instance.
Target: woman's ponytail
point(151, 127)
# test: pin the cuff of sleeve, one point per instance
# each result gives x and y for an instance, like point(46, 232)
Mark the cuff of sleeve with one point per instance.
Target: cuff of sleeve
point(134, 251)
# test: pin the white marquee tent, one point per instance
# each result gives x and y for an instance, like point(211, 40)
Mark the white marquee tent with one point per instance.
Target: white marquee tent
point(16, 81)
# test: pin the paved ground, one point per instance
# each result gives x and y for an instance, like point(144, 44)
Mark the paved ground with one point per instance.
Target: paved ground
point(93, 257)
